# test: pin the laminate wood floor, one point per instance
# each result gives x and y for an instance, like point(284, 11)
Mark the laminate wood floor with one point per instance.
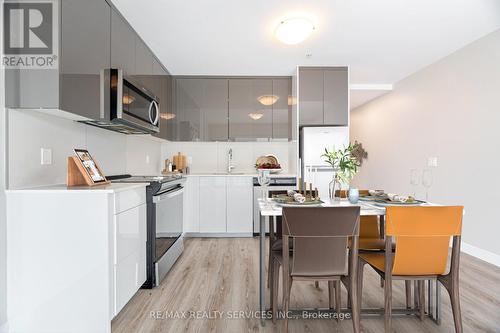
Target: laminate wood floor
point(221, 274)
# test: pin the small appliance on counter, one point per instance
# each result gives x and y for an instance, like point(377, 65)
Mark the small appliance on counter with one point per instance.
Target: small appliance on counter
point(178, 164)
point(164, 199)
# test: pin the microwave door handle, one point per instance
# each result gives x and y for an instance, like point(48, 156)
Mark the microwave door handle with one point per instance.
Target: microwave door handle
point(154, 104)
point(119, 94)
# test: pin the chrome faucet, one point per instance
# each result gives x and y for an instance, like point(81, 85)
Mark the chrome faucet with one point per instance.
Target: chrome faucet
point(230, 165)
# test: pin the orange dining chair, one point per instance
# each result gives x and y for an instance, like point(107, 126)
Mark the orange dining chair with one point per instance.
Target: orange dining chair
point(422, 237)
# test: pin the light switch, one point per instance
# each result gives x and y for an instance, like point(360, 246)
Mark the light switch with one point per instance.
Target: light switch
point(432, 162)
point(147, 159)
point(46, 156)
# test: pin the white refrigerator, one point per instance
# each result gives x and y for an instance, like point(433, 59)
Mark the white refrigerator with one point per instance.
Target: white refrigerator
point(313, 141)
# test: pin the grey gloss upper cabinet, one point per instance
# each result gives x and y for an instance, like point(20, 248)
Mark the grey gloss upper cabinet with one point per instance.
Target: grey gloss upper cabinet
point(84, 50)
point(336, 96)
point(143, 58)
point(161, 86)
point(122, 45)
point(250, 109)
point(201, 107)
point(85, 43)
point(323, 96)
point(311, 96)
point(282, 108)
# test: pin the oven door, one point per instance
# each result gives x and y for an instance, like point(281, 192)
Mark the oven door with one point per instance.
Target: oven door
point(169, 225)
point(169, 217)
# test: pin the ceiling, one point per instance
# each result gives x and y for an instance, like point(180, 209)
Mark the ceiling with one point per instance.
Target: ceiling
point(382, 41)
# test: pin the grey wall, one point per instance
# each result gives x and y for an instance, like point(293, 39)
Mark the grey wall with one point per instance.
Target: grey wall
point(451, 110)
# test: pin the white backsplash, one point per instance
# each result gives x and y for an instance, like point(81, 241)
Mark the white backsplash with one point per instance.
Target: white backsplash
point(212, 156)
point(30, 130)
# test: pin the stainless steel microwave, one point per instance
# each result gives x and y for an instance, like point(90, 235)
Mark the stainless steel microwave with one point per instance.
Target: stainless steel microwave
point(126, 106)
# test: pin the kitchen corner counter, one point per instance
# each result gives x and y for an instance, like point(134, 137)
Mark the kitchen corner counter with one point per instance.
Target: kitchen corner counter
point(85, 245)
point(109, 188)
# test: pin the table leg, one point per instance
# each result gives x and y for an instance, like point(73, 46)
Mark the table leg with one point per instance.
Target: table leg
point(262, 268)
point(430, 297)
point(438, 303)
point(382, 226)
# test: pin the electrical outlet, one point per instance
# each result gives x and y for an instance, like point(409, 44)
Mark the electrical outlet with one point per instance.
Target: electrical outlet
point(45, 156)
point(432, 162)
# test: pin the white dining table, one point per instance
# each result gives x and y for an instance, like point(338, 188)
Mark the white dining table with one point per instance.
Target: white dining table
point(270, 209)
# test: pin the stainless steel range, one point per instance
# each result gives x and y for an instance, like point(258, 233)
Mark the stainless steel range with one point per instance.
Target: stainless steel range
point(164, 198)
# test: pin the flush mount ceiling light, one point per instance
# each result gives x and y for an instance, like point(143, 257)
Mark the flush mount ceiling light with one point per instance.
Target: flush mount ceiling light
point(167, 116)
point(268, 99)
point(294, 30)
point(255, 115)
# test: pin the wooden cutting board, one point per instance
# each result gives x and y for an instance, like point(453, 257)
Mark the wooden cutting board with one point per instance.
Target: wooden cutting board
point(180, 161)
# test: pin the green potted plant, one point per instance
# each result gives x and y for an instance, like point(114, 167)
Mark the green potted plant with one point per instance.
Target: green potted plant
point(345, 166)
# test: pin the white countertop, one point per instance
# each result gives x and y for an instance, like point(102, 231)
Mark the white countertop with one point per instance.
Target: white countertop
point(271, 208)
point(110, 188)
point(237, 174)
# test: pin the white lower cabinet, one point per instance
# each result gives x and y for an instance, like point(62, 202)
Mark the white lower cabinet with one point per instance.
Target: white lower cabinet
point(213, 204)
point(239, 217)
point(130, 254)
point(219, 205)
point(192, 204)
point(75, 256)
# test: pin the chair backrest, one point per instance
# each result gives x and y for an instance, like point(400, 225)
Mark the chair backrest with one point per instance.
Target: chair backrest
point(422, 237)
point(368, 227)
point(277, 231)
point(320, 238)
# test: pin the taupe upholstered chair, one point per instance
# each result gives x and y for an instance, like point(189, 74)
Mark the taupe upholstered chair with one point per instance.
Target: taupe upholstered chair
point(320, 236)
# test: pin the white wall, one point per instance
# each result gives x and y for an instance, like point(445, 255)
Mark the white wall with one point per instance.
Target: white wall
point(29, 131)
point(212, 156)
point(450, 110)
point(3, 231)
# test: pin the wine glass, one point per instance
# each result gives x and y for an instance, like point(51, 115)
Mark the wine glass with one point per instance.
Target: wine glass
point(427, 182)
point(264, 180)
point(414, 180)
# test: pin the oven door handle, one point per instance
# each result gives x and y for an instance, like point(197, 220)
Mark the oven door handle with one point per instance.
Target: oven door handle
point(168, 194)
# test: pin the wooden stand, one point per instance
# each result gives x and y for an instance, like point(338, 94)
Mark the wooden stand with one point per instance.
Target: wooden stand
point(77, 176)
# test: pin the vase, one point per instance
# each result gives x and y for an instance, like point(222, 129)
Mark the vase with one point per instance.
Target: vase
point(334, 186)
point(353, 195)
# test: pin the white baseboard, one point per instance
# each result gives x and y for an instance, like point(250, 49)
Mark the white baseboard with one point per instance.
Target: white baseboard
point(485, 255)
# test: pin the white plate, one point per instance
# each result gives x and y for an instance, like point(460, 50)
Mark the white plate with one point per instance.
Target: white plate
point(272, 170)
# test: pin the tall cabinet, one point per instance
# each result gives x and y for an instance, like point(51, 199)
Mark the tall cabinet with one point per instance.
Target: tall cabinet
point(323, 96)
